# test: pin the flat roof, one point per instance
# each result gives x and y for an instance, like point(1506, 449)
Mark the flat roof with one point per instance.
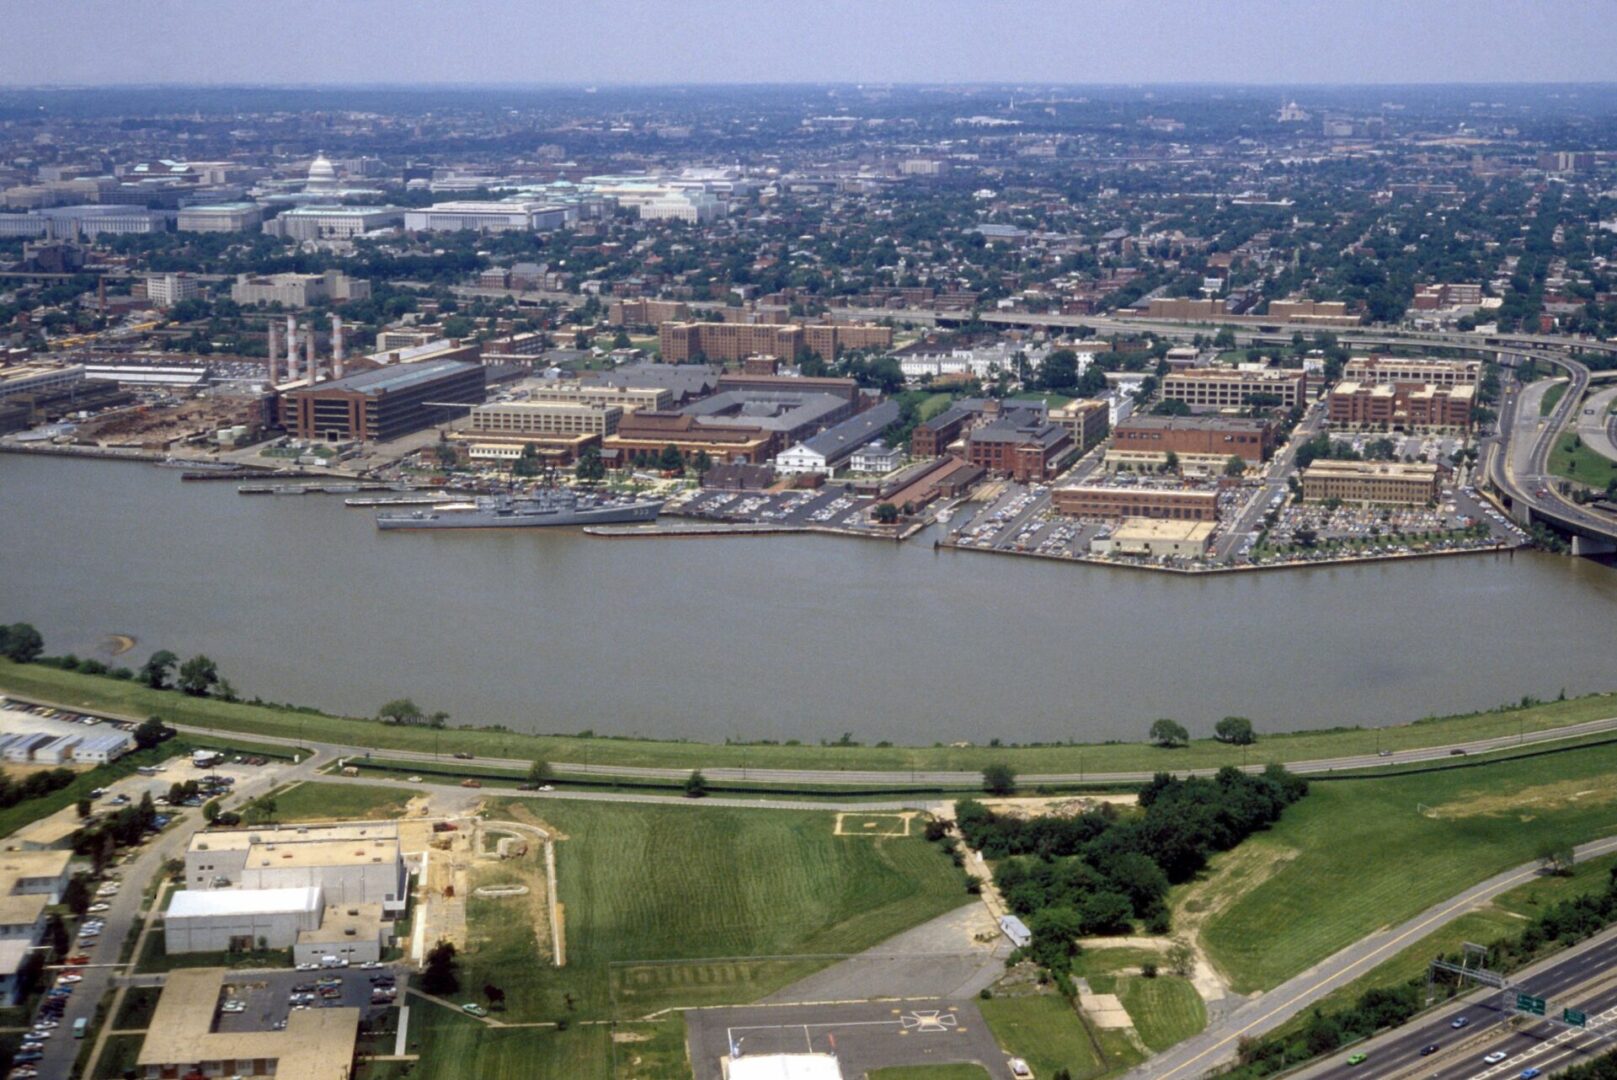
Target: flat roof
point(784, 1067)
point(1191, 423)
point(12, 953)
point(23, 910)
point(199, 903)
point(322, 853)
point(240, 839)
point(1395, 470)
point(318, 1044)
point(398, 376)
point(1136, 528)
point(336, 922)
point(16, 865)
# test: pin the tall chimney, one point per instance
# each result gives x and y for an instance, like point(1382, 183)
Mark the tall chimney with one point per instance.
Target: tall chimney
point(291, 348)
point(274, 350)
point(313, 369)
point(337, 355)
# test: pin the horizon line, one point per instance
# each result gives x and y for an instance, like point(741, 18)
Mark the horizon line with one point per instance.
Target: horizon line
point(874, 84)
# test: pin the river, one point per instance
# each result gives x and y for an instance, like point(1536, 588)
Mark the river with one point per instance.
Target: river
point(805, 637)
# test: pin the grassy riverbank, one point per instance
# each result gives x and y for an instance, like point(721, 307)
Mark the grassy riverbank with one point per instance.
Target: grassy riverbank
point(135, 701)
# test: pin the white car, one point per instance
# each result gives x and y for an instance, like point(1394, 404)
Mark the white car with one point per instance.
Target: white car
point(1496, 1057)
point(96, 909)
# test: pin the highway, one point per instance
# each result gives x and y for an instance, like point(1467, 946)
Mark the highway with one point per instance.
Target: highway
point(1597, 426)
point(1580, 978)
point(1220, 1043)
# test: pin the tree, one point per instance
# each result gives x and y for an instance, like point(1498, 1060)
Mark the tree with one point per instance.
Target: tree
point(1557, 857)
point(1181, 958)
point(885, 513)
point(84, 807)
point(1059, 370)
point(400, 711)
point(999, 780)
point(210, 811)
point(56, 934)
point(695, 785)
point(1235, 465)
point(1235, 730)
point(494, 995)
point(155, 672)
point(439, 977)
point(76, 896)
point(21, 643)
point(152, 731)
point(198, 675)
point(1170, 463)
point(539, 771)
point(1169, 733)
point(590, 467)
point(671, 460)
point(528, 463)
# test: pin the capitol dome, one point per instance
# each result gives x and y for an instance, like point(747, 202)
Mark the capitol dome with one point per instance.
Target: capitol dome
point(322, 173)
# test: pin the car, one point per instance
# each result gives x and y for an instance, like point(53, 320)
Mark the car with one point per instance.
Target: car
point(68, 979)
point(415, 779)
point(370, 965)
point(1496, 1057)
point(471, 783)
point(547, 787)
point(463, 756)
point(96, 909)
point(1357, 1059)
point(1459, 1022)
point(1428, 1050)
point(308, 967)
point(1530, 1074)
point(475, 1009)
point(79, 958)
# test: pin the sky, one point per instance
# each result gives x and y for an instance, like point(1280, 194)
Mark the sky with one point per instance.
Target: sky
point(606, 42)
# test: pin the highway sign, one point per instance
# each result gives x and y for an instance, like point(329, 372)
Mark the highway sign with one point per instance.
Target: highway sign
point(1527, 1003)
point(1574, 1017)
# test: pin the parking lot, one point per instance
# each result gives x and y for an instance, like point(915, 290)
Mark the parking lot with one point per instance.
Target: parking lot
point(864, 1037)
point(828, 507)
point(268, 998)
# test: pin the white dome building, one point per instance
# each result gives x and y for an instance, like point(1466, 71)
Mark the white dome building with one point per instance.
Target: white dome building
point(322, 174)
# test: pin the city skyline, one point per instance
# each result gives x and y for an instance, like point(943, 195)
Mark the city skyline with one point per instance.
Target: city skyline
point(650, 42)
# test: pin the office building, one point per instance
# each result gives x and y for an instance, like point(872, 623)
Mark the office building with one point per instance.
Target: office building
point(1224, 388)
point(847, 389)
point(333, 222)
point(225, 217)
point(1109, 502)
point(681, 342)
point(1312, 312)
point(166, 290)
point(646, 312)
point(876, 457)
point(1372, 483)
point(298, 290)
point(626, 398)
point(351, 864)
point(30, 882)
point(1087, 421)
point(84, 222)
point(932, 438)
point(385, 403)
point(1401, 405)
point(544, 418)
point(1155, 538)
point(1398, 369)
point(1201, 443)
point(1185, 308)
point(1022, 445)
point(512, 216)
point(184, 1040)
point(648, 432)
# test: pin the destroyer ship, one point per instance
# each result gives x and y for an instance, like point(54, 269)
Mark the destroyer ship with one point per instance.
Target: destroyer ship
point(545, 508)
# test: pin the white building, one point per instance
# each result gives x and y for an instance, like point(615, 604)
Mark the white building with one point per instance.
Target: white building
point(512, 216)
point(102, 747)
point(694, 207)
point(352, 864)
point(217, 920)
point(878, 457)
point(226, 217)
point(298, 290)
point(39, 378)
point(166, 290)
point(59, 751)
point(333, 222)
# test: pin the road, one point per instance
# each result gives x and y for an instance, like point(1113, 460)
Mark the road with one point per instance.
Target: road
point(1597, 426)
point(1518, 459)
point(1579, 978)
point(1274, 483)
point(1219, 1044)
point(137, 876)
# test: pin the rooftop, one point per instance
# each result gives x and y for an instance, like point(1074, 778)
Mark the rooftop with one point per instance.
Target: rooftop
point(318, 1044)
point(398, 377)
point(196, 903)
point(855, 431)
point(1141, 529)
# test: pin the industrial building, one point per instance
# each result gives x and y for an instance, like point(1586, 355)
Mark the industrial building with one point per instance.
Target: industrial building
point(298, 290)
point(385, 403)
point(39, 379)
point(1202, 444)
point(350, 864)
point(182, 1038)
point(789, 416)
point(648, 432)
point(1372, 483)
point(544, 418)
point(685, 382)
point(1226, 388)
point(832, 448)
point(1104, 501)
point(1156, 538)
point(220, 920)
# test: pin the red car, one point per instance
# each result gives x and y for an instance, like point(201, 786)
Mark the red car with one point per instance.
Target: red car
point(79, 959)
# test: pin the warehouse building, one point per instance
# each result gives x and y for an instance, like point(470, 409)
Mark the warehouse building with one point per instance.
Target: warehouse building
point(832, 448)
point(385, 403)
point(102, 747)
point(1156, 538)
point(181, 1040)
point(220, 920)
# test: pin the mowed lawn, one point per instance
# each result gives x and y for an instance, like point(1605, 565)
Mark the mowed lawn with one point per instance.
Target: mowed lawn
point(1046, 1032)
point(453, 1047)
point(931, 1072)
point(661, 884)
point(1355, 856)
point(1166, 1010)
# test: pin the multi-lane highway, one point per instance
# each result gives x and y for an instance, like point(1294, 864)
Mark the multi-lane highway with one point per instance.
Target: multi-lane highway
point(1583, 978)
point(1597, 425)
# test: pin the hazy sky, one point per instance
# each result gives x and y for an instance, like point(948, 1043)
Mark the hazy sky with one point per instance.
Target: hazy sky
point(662, 41)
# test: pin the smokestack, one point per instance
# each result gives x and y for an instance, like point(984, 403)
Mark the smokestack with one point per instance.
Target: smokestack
point(291, 348)
point(274, 350)
point(313, 369)
point(337, 355)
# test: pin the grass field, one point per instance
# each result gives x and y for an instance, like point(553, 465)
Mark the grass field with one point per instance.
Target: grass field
point(931, 1072)
point(139, 1004)
point(155, 957)
point(127, 699)
point(454, 1046)
point(1046, 1031)
point(1552, 397)
point(1165, 1010)
point(1575, 461)
point(118, 1056)
point(703, 884)
point(315, 801)
point(1357, 855)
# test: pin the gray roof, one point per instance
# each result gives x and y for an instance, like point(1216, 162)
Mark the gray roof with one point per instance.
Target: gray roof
point(854, 432)
point(772, 410)
point(685, 380)
point(397, 377)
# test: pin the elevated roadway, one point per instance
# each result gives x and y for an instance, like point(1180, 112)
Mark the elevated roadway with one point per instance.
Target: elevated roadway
point(1597, 425)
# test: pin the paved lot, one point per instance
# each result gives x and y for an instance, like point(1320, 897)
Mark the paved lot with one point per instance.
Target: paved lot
point(268, 996)
point(829, 506)
point(863, 1036)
